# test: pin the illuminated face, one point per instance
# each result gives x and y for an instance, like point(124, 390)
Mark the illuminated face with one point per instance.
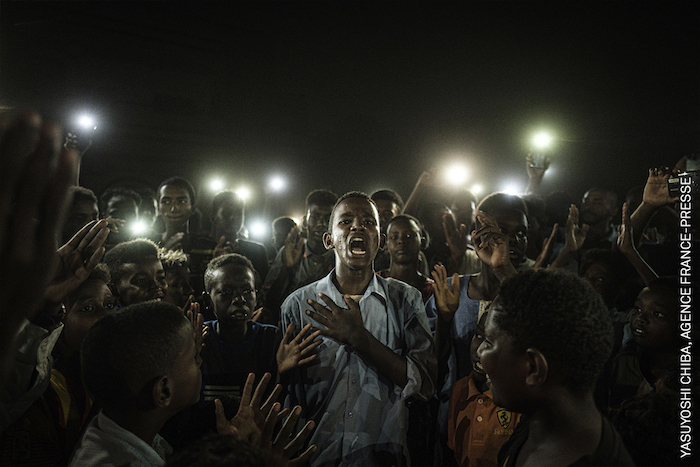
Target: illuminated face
point(178, 286)
point(84, 307)
point(652, 324)
point(403, 242)
point(355, 236)
point(513, 224)
point(141, 282)
point(387, 211)
point(233, 294)
point(317, 217)
point(175, 206)
point(503, 365)
point(185, 373)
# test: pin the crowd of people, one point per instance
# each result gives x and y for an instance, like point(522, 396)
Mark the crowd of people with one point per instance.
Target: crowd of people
point(534, 329)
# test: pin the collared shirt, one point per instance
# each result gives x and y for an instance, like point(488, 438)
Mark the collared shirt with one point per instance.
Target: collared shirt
point(477, 428)
point(361, 416)
point(105, 443)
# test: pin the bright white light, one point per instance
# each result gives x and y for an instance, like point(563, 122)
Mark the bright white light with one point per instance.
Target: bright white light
point(87, 121)
point(258, 229)
point(542, 140)
point(477, 189)
point(216, 184)
point(139, 228)
point(456, 174)
point(243, 192)
point(512, 188)
point(277, 183)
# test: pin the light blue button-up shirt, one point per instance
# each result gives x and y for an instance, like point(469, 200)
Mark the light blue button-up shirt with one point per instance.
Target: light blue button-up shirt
point(361, 416)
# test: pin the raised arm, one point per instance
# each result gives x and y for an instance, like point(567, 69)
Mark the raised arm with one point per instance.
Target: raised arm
point(627, 248)
point(655, 196)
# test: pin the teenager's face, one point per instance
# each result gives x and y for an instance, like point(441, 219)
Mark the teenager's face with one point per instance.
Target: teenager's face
point(652, 324)
point(477, 339)
point(502, 364)
point(403, 242)
point(596, 208)
point(186, 374)
point(317, 217)
point(78, 215)
point(513, 223)
point(122, 207)
point(603, 281)
point(355, 236)
point(228, 220)
point(85, 306)
point(464, 211)
point(387, 211)
point(175, 205)
point(178, 288)
point(233, 294)
point(141, 282)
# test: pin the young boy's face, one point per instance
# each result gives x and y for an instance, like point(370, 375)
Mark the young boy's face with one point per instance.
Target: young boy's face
point(504, 366)
point(178, 288)
point(477, 339)
point(141, 282)
point(228, 220)
point(652, 322)
point(355, 235)
point(79, 214)
point(513, 223)
point(175, 205)
point(387, 211)
point(186, 374)
point(403, 242)
point(603, 281)
point(233, 294)
point(84, 307)
point(317, 217)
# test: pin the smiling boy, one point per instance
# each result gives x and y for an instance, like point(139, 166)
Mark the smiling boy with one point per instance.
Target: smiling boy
point(376, 349)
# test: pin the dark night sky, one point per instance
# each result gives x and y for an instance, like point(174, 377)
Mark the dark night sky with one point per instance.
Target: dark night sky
point(361, 95)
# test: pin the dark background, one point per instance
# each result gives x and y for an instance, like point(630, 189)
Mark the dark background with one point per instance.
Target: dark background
point(360, 95)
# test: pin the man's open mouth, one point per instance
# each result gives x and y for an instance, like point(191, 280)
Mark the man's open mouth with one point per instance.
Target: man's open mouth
point(358, 246)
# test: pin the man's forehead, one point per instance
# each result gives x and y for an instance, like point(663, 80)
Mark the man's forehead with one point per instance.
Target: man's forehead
point(320, 208)
point(173, 191)
point(351, 206)
point(403, 224)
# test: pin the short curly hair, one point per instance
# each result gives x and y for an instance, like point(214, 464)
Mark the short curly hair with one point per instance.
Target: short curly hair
point(133, 251)
point(388, 195)
point(182, 183)
point(224, 260)
point(125, 351)
point(563, 317)
point(350, 194)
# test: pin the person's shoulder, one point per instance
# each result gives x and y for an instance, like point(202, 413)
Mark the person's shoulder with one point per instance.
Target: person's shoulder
point(301, 294)
point(611, 451)
point(399, 289)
